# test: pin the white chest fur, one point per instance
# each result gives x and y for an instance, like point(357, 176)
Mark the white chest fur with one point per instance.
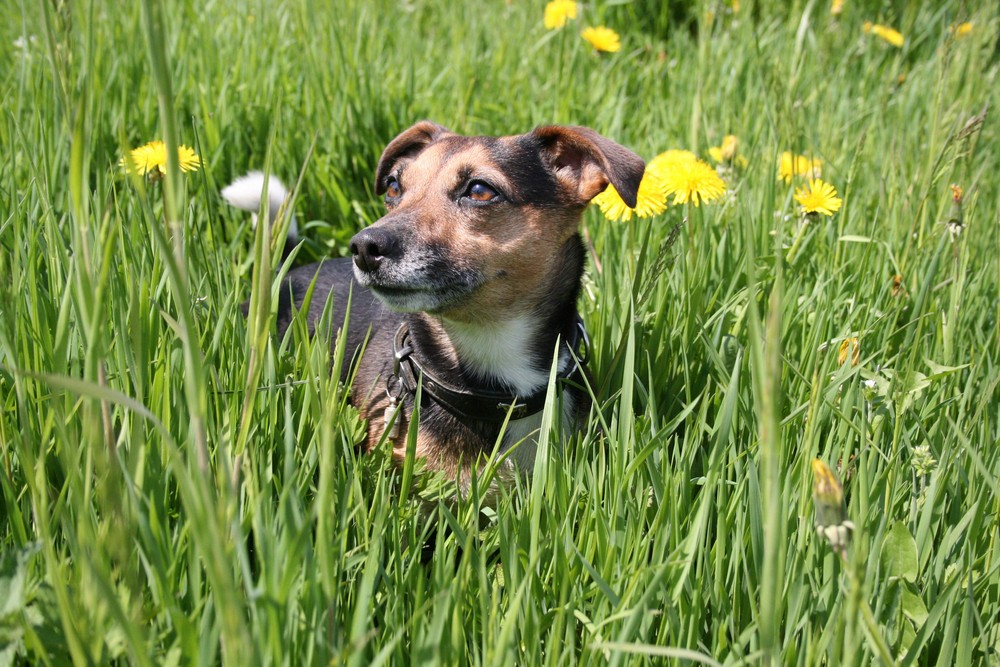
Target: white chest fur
point(500, 351)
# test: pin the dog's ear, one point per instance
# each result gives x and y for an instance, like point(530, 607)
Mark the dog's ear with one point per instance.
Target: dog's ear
point(408, 142)
point(584, 162)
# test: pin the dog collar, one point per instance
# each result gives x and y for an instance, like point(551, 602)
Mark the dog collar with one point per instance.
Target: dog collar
point(481, 405)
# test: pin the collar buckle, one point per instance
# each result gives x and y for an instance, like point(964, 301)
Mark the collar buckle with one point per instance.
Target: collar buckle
point(516, 410)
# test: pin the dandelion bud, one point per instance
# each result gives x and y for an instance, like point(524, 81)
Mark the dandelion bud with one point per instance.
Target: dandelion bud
point(955, 221)
point(850, 347)
point(831, 516)
point(898, 289)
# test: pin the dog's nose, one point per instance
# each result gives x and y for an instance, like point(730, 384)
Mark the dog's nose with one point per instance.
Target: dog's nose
point(370, 246)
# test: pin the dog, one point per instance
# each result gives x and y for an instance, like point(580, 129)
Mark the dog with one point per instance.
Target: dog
point(466, 286)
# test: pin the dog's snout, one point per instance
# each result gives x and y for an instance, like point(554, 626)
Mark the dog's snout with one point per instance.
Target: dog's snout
point(370, 246)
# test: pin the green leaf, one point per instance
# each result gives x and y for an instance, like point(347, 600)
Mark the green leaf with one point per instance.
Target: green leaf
point(913, 382)
point(938, 371)
point(13, 568)
point(913, 605)
point(899, 553)
point(11, 644)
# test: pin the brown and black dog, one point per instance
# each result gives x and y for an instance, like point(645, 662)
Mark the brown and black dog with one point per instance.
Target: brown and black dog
point(468, 282)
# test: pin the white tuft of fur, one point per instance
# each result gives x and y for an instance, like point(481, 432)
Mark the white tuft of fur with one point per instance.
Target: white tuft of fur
point(497, 351)
point(246, 193)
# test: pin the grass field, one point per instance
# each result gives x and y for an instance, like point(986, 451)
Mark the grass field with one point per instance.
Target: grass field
point(155, 511)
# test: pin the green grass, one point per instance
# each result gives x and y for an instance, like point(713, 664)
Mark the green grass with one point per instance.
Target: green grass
point(153, 511)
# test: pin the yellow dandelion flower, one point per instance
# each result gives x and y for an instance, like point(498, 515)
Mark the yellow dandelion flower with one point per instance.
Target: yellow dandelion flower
point(558, 13)
point(651, 200)
point(886, 33)
point(956, 193)
point(850, 347)
point(152, 159)
point(960, 30)
point(668, 159)
point(818, 197)
point(735, 4)
point(602, 39)
point(728, 152)
point(798, 165)
point(690, 180)
point(836, 7)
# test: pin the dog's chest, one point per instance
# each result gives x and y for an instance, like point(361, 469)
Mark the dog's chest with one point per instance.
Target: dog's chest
point(503, 352)
point(498, 353)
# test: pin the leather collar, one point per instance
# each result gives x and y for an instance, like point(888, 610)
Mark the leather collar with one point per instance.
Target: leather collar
point(480, 404)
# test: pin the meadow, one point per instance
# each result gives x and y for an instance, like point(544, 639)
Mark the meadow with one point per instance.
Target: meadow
point(178, 486)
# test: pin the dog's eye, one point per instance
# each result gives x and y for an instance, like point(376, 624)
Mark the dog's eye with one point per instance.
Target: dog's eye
point(479, 191)
point(392, 188)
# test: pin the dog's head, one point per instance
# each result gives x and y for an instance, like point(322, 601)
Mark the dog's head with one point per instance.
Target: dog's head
point(474, 224)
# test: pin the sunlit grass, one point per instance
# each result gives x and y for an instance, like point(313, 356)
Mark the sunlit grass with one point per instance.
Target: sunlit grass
point(179, 486)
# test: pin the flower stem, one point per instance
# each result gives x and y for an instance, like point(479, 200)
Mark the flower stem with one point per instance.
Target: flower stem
point(793, 250)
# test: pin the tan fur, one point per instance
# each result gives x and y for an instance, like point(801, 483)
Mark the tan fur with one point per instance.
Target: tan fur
point(513, 250)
